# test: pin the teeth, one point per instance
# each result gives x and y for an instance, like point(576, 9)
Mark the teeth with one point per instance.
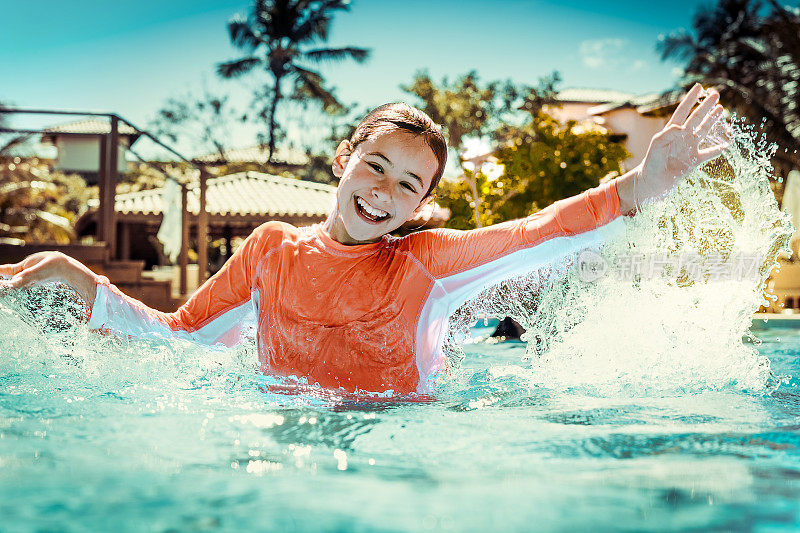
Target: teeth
point(377, 213)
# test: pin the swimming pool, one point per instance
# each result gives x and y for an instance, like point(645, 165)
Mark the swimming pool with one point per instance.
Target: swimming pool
point(166, 437)
point(640, 402)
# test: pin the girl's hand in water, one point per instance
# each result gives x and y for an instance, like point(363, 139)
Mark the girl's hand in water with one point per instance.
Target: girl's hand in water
point(674, 151)
point(50, 266)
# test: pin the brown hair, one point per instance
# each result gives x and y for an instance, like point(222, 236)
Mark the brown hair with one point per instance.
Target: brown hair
point(400, 116)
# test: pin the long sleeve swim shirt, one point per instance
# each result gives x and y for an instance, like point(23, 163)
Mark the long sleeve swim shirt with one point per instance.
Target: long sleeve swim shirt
point(371, 317)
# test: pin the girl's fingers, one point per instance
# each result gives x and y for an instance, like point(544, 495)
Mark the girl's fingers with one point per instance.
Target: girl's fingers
point(24, 277)
point(702, 111)
point(11, 269)
point(708, 123)
point(683, 109)
point(710, 153)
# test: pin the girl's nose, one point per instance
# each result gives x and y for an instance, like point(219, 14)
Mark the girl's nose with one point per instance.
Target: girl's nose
point(381, 191)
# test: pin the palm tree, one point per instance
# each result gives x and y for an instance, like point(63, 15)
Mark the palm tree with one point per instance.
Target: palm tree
point(275, 36)
point(753, 56)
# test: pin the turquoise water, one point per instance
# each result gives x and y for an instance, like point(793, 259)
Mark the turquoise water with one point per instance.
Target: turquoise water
point(167, 437)
point(638, 403)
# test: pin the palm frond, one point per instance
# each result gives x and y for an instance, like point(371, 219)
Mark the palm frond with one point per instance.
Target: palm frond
point(337, 54)
point(277, 19)
point(233, 69)
point(316, 23)
point(241, 34)
point(14, 142)
point(56, 221)
point(308, 84)
point(678, 45)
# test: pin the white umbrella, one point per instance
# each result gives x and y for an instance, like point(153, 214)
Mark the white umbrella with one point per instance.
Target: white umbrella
point(791, 204)
point(170, 231)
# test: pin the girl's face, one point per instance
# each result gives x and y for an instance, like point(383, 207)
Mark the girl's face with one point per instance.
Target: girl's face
point(382, 185)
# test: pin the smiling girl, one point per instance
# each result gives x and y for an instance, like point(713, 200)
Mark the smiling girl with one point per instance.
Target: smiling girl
point(346, 305)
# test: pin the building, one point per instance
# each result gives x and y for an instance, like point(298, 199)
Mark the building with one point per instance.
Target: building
point(630, 119)
point(236, 205)
point(79, 146)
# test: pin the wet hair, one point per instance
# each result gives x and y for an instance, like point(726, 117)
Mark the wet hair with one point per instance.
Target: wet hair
point(399, 116)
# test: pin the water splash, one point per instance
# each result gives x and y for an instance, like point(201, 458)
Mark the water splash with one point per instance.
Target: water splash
point(678, 327)
point(48, 349)
point(677, 332)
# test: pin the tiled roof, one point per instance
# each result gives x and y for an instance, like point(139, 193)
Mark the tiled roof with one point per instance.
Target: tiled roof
point(257, 154)
point(244, 193)
point(91, 127)
point(643, 103)
point(663, 100)
point(597, 96)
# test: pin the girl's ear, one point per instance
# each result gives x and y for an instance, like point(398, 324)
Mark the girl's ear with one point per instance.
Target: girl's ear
point(341, 158)
point(425, 201)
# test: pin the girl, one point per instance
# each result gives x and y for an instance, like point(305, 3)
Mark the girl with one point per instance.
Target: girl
point(343, 303)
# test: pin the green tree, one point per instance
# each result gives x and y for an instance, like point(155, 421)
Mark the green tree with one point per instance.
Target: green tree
point(464, 108)
point(275, 37)
point(751, 52)
point(547, 161)
point(36, 205)
point(202, 121)
point(544, 161)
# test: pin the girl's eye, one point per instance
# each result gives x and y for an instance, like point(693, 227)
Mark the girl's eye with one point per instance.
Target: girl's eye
point(408, 187)
point(376, 167)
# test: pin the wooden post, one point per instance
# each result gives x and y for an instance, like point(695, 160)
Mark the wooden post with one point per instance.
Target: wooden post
point(202, 231)
point(125, 241)
point(227, 233)
point(183, 259)
point(102, 183)
point(112, 162)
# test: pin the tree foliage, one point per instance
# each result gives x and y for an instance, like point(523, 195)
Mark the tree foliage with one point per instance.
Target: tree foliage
point(547, 161)
point(35, 204)
point(751, 52)
point(543, 162)
point(463, 107)
point(202, 120)
point(276, 37)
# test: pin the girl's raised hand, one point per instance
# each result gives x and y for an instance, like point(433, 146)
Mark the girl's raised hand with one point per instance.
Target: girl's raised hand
point(675, 150)
point(50, 266)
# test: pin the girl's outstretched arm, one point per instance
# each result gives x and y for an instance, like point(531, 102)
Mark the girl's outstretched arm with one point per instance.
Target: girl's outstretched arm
point(51, 266)
point(210, 315)
point(216, 312)
point(673, 152)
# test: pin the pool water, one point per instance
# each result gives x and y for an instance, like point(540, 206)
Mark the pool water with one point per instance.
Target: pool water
point(169, 437)
point(639, 403)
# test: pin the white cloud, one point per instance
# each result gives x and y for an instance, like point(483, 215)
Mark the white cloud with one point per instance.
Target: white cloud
point(599, 53)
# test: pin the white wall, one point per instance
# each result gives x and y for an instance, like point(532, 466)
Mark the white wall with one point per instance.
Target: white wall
point(639, 129)
point(82, 154)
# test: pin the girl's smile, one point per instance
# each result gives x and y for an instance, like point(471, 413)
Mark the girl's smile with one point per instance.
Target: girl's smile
point(384, 182)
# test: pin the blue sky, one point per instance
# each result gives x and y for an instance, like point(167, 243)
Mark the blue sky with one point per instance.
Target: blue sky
point(129, 57)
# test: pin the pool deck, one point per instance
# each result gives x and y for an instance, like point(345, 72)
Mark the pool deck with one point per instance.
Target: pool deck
point(788, 319)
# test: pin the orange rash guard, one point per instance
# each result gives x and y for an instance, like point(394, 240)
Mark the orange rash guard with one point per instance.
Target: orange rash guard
point(369, 317)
